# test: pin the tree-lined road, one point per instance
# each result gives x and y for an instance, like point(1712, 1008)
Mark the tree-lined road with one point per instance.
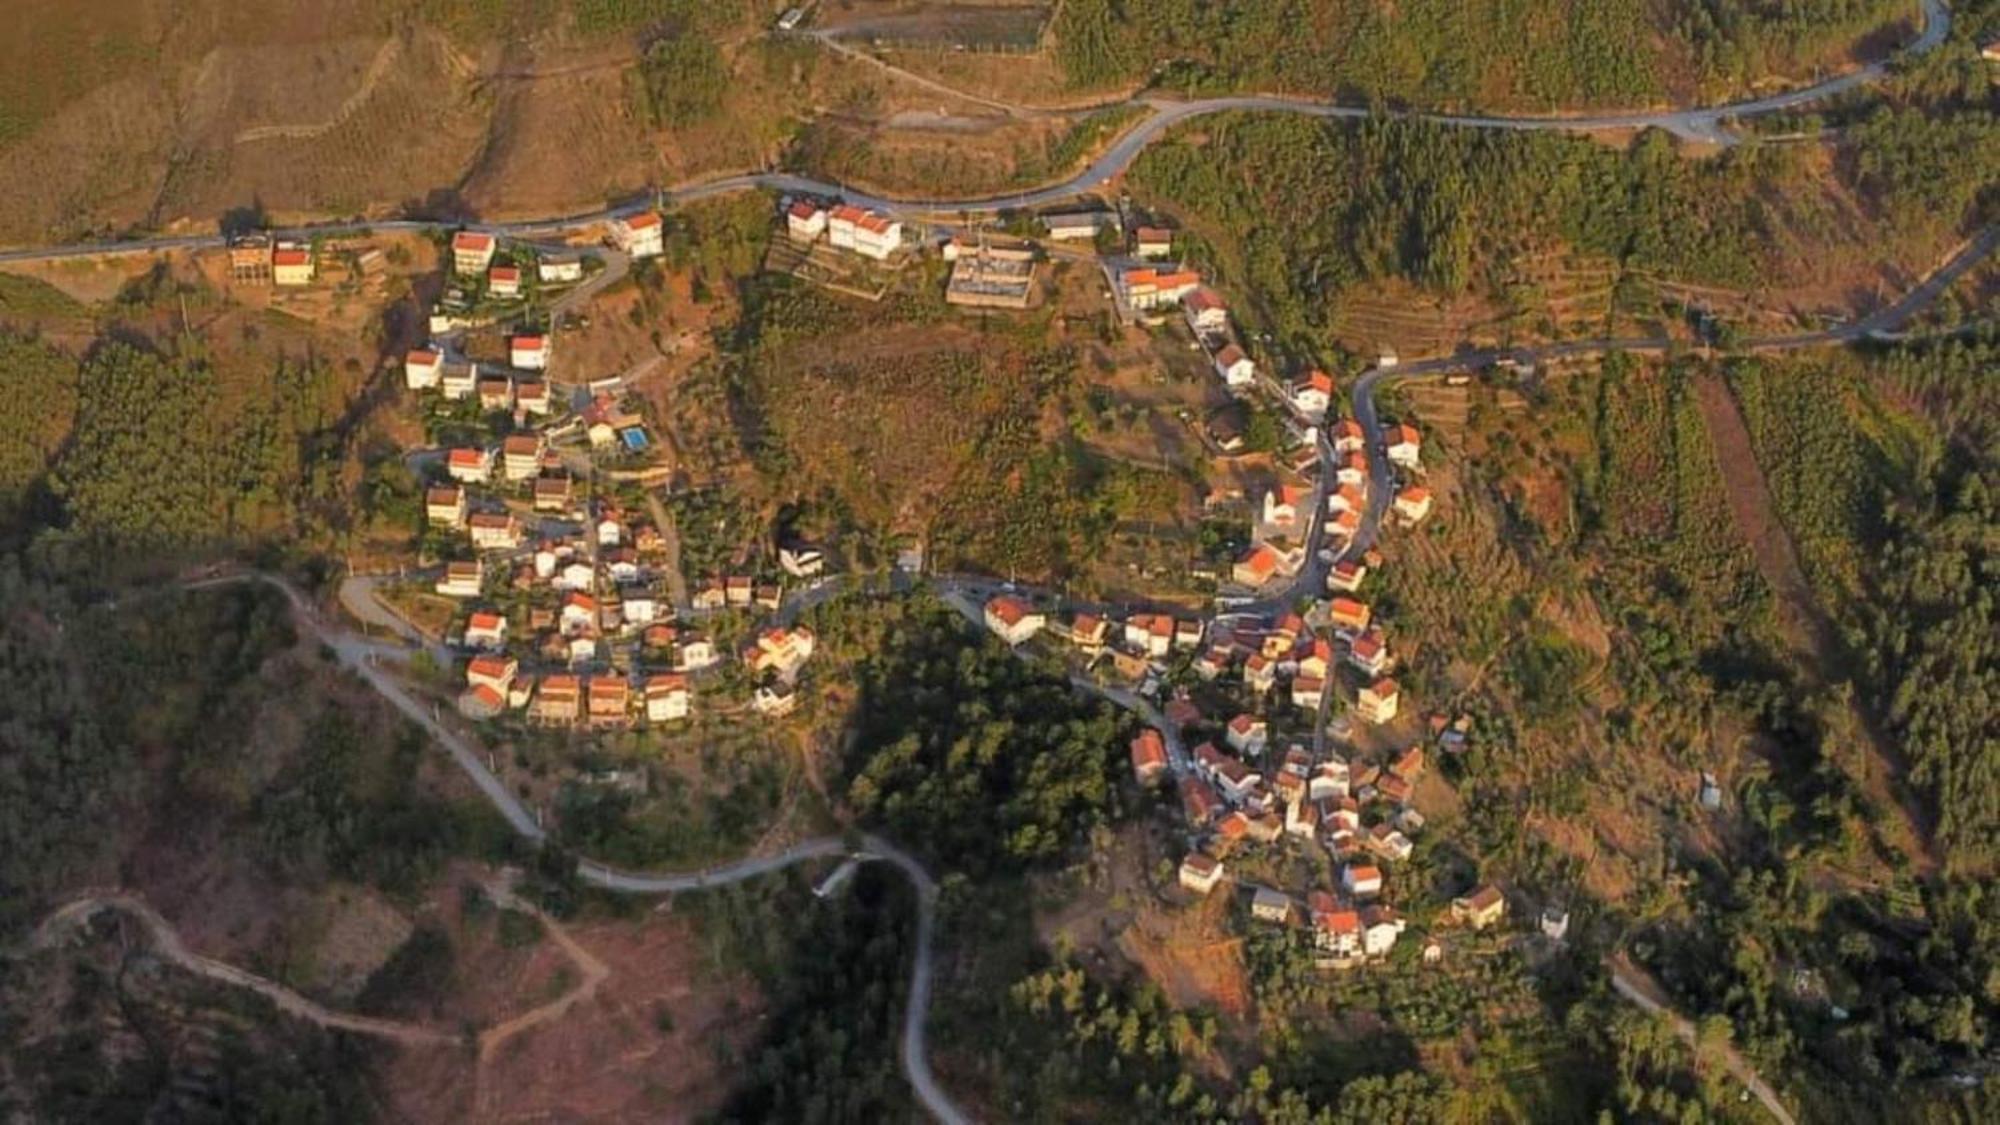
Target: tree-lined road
point(1702, 123)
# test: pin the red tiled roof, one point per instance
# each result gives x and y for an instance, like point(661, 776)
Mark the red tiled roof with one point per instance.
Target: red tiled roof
point(485, 622)
point(1262, 560)
point(471, 240)
point(290, 257)
point(1010, 611)
point(643, 220)
point(421, 356)
point(1149, 749)
point(1202, 300)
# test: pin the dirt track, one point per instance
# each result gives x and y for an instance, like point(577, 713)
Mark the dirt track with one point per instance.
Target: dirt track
point(167, 944)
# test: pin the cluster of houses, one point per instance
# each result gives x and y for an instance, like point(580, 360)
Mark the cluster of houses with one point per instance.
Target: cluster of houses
point(584, 602)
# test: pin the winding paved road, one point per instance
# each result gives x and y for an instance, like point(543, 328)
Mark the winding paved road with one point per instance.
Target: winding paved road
point(362, 656)
point(1703, 123)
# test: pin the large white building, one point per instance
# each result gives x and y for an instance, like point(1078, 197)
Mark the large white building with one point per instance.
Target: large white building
point(864, 232)
point(421, 367)
point(642, 235)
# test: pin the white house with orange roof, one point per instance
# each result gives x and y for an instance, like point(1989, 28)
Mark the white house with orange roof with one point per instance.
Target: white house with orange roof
point(1348, 436)
point(472, 252)
point(1361, 880)
point(1346, 576)
point(1380, 927)
point(1235, 368)
point(1200, 872)
point(496, 672)
point(667, 699)
point(528, 351)
point(291, 264)
point(1370, 653)
point(493, 531)
point(579, 614)
point(1352, 468)
point(1313, 393)
point(1206, 313)
point(470, 466)
point(1260, 673)
point(1378, 702)
point(867, 233)
point(1153, 242)
point(462, 579)
point(1256, 567)
point(1150, 633)
point(1413, 504)
point(421, 367)
point(1247, 734)
point(1348, 615)
point(486, 631)
point(458, 379)
point(780, 650)
point(1336, 929)
point(805, 220)
point(444, 506)
point(642, 235)
point(504, 282)
point(1405, 446)
point(1149, 757)
point(532, 396)
point(1147, 288)
point(520, 456)
point(1013, 620)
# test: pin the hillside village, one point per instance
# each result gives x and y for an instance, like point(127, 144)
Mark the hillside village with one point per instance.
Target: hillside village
point(1275, 725)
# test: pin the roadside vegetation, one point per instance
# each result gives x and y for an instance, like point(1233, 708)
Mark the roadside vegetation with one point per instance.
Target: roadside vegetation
point(1444, 52)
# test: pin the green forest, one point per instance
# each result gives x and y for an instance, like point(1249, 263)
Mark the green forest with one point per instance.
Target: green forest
point(1446, 52)
point(1292, 210)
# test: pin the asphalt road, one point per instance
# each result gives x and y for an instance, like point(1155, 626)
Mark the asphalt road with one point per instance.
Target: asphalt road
point(1704, 123)
point(362, 656)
